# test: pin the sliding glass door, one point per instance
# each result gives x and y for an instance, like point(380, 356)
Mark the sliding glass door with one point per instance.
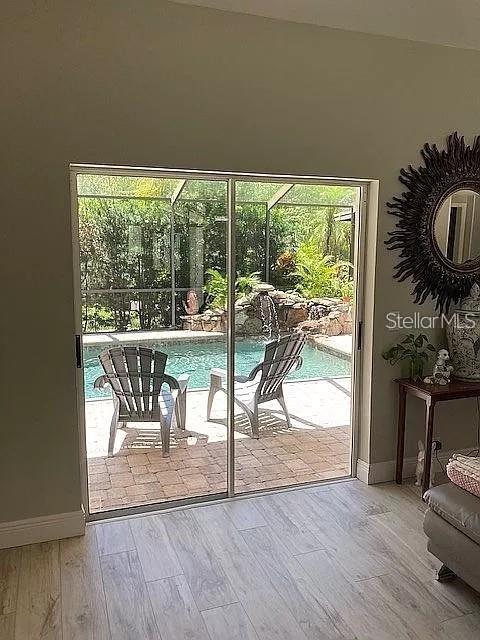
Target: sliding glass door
point(295, 293)
point(153, 256)
point(215, 318)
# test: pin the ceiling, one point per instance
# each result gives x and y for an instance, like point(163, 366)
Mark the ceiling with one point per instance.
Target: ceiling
point(453, 23)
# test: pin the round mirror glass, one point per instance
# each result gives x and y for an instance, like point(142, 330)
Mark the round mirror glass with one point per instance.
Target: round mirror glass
point(457, 227)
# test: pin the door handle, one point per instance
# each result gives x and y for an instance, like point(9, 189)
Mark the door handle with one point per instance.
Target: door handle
point(78, 351)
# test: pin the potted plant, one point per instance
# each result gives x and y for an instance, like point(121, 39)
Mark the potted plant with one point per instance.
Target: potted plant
point(415, 350)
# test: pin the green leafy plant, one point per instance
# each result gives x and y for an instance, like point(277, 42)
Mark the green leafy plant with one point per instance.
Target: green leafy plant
point(344, 280)
point(217, 287)
point(321, 275)
point(347, 289)
point(245, 284)
point(315, 271)
point(414, 349)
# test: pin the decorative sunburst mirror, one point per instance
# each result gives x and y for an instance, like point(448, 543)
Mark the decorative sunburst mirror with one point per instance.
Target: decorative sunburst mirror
point(438, 227)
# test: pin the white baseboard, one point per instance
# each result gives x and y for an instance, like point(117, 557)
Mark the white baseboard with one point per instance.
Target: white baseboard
point(363, 470)
point(42, 529)
point(385, 471)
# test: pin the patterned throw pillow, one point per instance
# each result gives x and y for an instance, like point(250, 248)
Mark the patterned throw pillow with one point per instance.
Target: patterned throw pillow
point(463, 481)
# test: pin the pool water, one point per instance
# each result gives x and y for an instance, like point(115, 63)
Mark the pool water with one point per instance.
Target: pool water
point(198, 358)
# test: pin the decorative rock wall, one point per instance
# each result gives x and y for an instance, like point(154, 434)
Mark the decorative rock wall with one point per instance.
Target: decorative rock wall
point(326, 316)
point(207, 321)
point(335, 323)
point(253, 311)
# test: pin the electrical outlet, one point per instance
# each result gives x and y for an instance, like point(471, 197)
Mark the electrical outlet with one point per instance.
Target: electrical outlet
point(437, 445)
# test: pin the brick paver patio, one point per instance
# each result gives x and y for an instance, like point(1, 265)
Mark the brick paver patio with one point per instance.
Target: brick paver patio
point(316, 448)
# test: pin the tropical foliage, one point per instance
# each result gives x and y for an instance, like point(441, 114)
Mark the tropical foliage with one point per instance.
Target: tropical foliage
point(320, 275)
point(316, 272)
point(217, 287)
point(125, 237)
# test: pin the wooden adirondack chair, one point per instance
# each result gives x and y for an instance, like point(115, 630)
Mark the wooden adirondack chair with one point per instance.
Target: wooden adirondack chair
point(137, 378)
point(265, 381)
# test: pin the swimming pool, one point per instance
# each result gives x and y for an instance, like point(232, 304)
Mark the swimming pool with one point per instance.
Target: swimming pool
point(198, 358)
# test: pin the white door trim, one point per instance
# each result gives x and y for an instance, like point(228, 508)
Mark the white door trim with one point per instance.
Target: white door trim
point(360, 242)
point(80, 392)
point(358, 325)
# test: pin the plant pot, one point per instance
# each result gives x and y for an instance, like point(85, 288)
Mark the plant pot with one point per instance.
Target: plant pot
point(416, 370)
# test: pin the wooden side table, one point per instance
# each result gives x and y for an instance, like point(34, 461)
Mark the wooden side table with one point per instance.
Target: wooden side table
point(430, 394)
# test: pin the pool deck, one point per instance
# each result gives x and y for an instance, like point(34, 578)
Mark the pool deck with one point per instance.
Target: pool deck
point(315, 448)
point(340, 346)
point(337, 345)
point(165, 335)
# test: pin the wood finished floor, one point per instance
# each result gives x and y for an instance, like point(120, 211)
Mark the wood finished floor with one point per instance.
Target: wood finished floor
point(336, 562)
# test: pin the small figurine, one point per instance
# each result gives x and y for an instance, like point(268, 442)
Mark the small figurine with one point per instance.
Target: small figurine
point(191, 306)
point(442, 370)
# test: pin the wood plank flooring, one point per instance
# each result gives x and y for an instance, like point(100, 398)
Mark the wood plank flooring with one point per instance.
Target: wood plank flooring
point(334, 562)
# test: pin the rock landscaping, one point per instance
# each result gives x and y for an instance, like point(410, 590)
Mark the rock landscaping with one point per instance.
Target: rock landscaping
point(267, 307)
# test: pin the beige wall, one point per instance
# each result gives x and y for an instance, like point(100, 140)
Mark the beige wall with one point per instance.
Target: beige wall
point(145, 82)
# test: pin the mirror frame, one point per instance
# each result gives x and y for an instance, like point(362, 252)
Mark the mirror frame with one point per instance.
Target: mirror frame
point(421, 259)
point(472, 266)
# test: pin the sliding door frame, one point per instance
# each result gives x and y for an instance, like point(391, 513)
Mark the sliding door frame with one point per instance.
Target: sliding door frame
point(231, 277)
point(231, 179)
point(78, 345)
point(358, 323)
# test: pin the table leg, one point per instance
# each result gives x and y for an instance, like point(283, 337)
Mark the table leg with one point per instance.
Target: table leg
point(402, 401)
point(428, 444)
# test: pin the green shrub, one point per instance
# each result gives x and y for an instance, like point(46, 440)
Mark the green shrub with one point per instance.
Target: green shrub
point(316, 272)
point(320, 275)
point(217, 287)
point(245, 284)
